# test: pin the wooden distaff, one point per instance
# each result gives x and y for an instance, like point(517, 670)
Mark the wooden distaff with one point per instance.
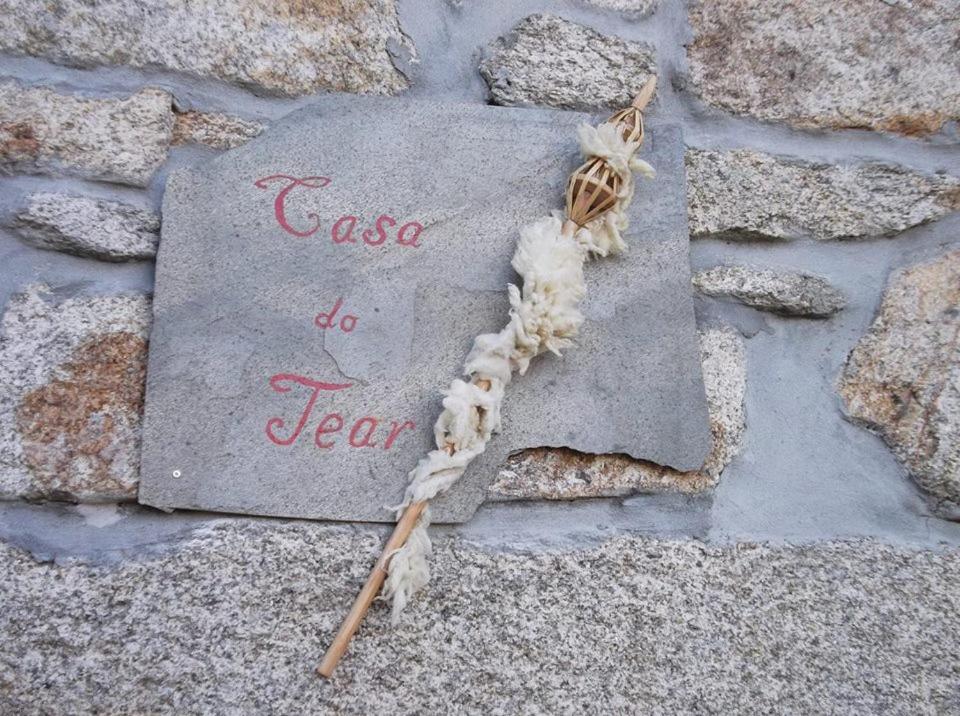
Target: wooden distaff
point(371, 589)
point(591, 191)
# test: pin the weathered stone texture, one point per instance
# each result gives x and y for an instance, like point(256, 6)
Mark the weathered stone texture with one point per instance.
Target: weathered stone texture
point(234, 618)
point(888, 66)
point(903, 378)
point(547, 60)
point(562, 474)
point(723, 354)
point(291, 47)
point(71, 393)
point(213, 129)
point(783, 292)
point(103, 229)
point(745, 194)
point(631, 8)
point(119, 140)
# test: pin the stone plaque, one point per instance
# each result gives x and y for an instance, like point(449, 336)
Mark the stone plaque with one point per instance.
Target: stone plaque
point(319, 287)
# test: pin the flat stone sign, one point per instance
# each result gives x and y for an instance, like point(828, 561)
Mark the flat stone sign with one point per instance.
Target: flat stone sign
point(319, 287)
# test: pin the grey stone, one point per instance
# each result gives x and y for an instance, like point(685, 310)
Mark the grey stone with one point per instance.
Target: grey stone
point(287, 47)
point(562, 474)
point(783, 292)
point(238, 296)
point(118, 140)
point(233, 618)
point(213, 129)
point(745, 194)
point(547, 60)
point(903, 377)
point(631, 8)
point(103, 229)
point(885, 66)
point(724, 360)
point(71, 392)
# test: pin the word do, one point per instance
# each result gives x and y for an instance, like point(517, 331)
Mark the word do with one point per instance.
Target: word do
point(342, 231)
point(364, 433)
point(326, 320)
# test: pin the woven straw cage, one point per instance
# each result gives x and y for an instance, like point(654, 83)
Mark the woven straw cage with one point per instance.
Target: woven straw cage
point(593, 188)
point(630, 121)
point(591, 191)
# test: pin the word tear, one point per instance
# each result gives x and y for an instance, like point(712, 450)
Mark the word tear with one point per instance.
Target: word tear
point(365, 432)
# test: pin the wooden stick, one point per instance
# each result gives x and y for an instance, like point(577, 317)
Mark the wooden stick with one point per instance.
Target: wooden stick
point(377, 576)
point(646, 93)
point(370, 590)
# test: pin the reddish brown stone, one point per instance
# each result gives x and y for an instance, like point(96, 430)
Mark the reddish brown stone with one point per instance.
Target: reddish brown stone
point(18, 142)
point(213, 129)
point(845, 64)
point(76, 430)
point(564, 474)
point(902, 380)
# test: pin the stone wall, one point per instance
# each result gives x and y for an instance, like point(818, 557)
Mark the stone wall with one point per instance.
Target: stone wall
point(823, 169)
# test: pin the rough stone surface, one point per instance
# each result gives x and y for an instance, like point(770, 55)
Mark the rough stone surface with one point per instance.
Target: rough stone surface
point(234, 618)
point(71, 392)
point(291, 47)
point(786, 293)
point(213, 129)
point(119, 140)
point(724, 358)
point(103, 229)
point(630, 8)
point(745, 194)
point(562, 474)
point(547, 60)
point(887, 66)
point(903, 378)
point(236, 341)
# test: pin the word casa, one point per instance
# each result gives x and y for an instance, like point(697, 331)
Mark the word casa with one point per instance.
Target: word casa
point(344, 230)
point(365, 432)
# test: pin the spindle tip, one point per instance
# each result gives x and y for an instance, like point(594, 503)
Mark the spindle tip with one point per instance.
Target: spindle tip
point(646, 93)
